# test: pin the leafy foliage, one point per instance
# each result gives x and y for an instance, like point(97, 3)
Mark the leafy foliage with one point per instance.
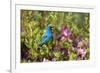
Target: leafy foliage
point(63, 47)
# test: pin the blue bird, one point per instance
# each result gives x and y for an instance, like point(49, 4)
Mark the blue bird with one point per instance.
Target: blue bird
point(47, 36)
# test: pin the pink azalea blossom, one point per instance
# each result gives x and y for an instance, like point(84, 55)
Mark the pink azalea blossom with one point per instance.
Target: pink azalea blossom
point(66, 33)
point(81, 53)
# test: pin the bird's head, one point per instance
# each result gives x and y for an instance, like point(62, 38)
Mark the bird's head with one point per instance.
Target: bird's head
point(50, 27)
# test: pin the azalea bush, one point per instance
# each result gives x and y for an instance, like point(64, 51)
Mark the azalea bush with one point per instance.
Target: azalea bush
point(70, 36)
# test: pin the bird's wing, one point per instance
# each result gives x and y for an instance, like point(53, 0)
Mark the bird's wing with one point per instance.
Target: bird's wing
point(44, 37)
point(45, 40)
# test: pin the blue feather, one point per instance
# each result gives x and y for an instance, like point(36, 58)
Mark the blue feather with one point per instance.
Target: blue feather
point(47, 36)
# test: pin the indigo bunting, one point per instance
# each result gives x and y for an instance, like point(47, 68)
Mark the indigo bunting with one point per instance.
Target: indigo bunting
point(47, 36)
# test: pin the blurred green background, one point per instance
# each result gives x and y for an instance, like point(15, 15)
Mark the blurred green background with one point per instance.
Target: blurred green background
point(33, 26)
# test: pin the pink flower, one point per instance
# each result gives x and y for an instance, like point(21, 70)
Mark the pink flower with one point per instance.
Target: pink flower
point(66, 33)
point(81, 53)
point(62, 38)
